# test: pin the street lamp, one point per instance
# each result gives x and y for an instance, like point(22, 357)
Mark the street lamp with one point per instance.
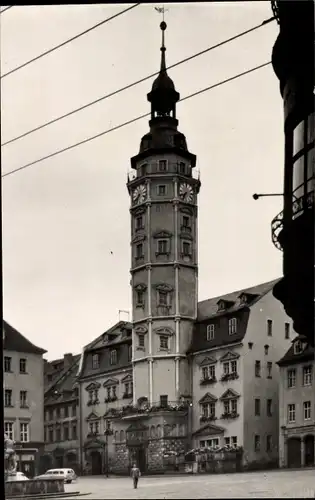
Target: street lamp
point(107, 432)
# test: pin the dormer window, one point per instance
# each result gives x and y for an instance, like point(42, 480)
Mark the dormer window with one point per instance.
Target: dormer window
point(105, 338)
point(162, 165)
point(243, 298)
point(298, 347)
point(95, 361)
point(232, 326)
point(224, 304)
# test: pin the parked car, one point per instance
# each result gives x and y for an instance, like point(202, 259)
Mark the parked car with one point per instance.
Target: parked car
point(18, 476)
point(67, 474)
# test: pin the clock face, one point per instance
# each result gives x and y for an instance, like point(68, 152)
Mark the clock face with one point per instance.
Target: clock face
point(139, 194)
point(186, 192)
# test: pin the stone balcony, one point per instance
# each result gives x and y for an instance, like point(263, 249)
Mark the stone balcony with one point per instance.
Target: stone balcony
point(146, 409)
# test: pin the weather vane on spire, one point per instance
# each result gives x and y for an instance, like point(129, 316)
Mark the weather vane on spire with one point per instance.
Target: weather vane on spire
point(161, 10)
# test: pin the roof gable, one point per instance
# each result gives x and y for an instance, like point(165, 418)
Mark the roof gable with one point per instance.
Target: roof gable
point(15, 341)
point(208, 360)
point(110, 382)
point(209, 430)
point(208, 398)
point(229, 394)
point(209, 308)
point(93, 386)
point(127, 378)
point(92, 416)
point(229, 356)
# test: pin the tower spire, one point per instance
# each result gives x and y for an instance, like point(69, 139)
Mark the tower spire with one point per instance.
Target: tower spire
point(163, 96)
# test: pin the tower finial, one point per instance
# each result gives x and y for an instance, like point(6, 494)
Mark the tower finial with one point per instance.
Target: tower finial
point(163, 27)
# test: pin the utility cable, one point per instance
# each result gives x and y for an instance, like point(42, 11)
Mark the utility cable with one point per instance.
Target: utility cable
point(134, 120)
point(6, 8)
point(50, 122)
point(68, 41)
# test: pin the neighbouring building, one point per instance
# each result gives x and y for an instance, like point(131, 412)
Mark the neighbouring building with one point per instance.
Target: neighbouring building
point(23, 397)
point(237, 341)
point(293, 228)
point(142, 397)
point(61, 404)
point(297, 405)
point(106, 385)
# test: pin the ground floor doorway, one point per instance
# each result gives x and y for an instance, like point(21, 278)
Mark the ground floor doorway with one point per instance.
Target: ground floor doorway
point(294, 452)
point(309, 450)
point(137, 455)
point(96, 463)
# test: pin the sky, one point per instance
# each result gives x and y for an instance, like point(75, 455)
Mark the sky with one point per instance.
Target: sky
point(65, 221)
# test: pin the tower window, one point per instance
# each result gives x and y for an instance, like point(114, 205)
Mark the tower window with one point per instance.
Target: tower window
point(182, 168)
point(139, 222)
point(140, 340)
point(143, 169)
point(139, 251)
point(162, 247)
point(140, 297)
point(163, 298)
point(161, 190)
point(287, 330)
point(269, 327)
point(162, 165)
point(163, 342)
point(187, 248)
point(186, 221)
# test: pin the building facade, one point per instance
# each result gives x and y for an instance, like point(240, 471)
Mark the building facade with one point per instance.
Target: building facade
point(61, 405)
point(237, 341)
point(23, 398)
point(293, 228)
point(187, 361)
point(105, 388)
point(297, 405)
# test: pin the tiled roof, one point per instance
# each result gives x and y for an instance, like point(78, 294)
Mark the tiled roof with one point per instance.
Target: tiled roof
point(292, 359)
point(65, 382)
point(209, 308)
point(15, 341)
point(116, 331)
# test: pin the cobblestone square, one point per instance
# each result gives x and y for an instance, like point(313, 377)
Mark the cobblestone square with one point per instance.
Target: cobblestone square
point(272, 484)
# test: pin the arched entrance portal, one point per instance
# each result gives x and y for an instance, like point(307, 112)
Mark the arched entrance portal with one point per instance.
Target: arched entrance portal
point(309, 450)
point(96, 463)
point(294, 452)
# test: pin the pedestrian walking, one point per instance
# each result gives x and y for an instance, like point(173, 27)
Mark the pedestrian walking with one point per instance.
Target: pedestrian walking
point(135, 474)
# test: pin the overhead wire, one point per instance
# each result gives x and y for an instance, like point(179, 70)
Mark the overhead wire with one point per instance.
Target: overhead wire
point(126, 87)
point(6, 8)
point(84, 141)
point(49, 51)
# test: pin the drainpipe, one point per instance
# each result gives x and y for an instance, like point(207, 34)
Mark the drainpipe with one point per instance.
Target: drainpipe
point(80, 428)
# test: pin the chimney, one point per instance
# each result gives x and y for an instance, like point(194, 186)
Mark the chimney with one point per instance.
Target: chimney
point(67, 360)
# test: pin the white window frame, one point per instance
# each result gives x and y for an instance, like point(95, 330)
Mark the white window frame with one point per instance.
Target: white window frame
point(23, 399)
point(9, 429)
point(291, 378)
point(24, 432)
point(307, 375)
point(291, 413)
point(210, 332)
point(208, 372)
point(232, 326)
point(307, 410)
point(208, 409)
